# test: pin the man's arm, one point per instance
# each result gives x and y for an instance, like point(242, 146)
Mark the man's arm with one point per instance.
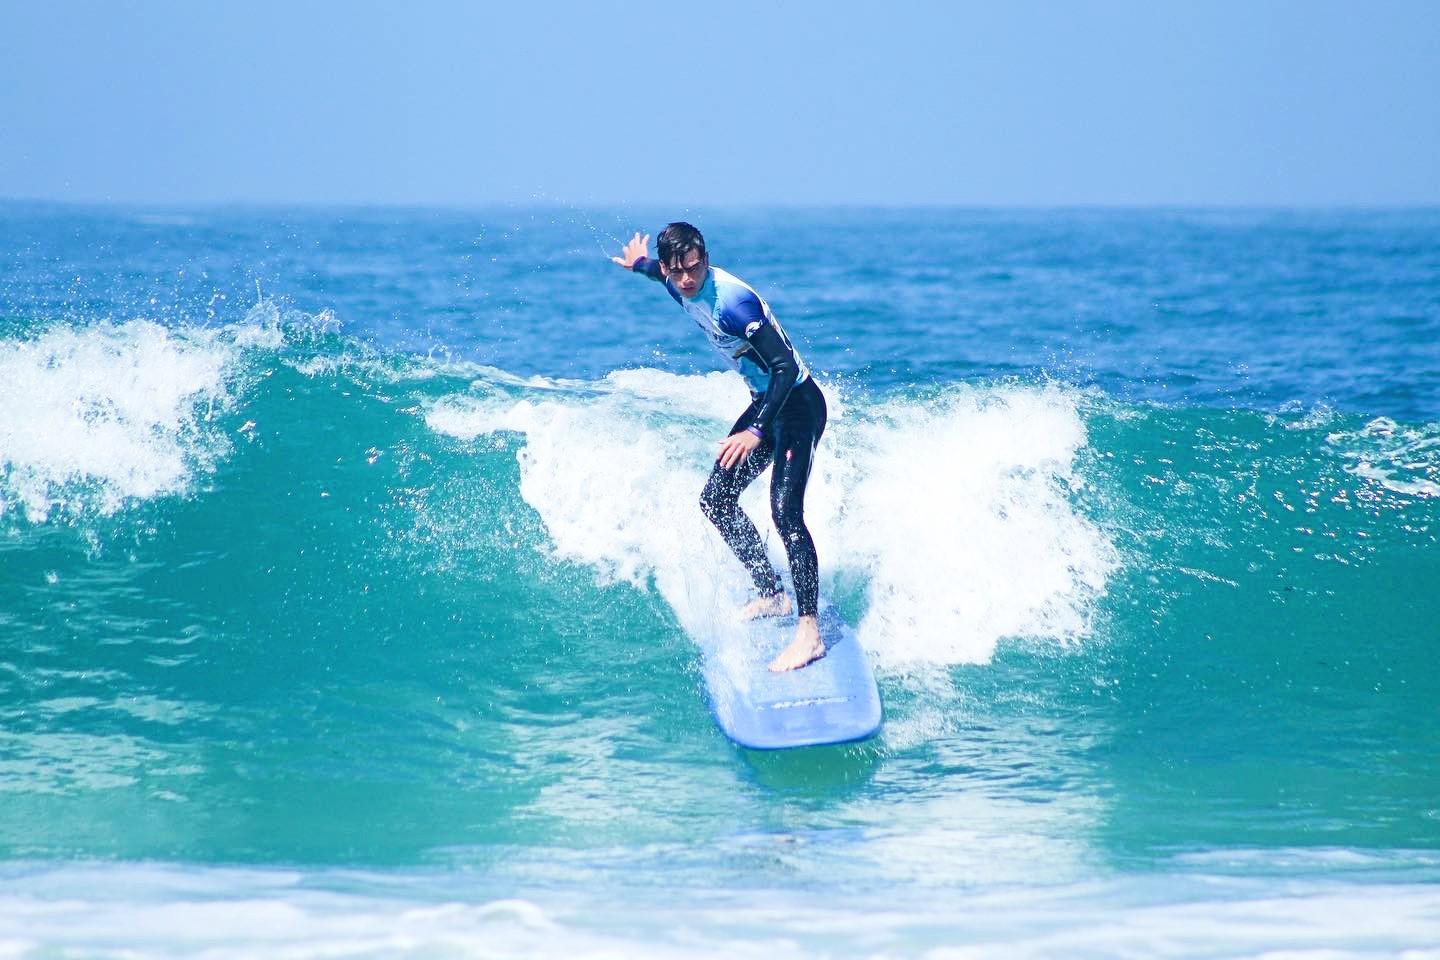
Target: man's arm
point(779, 358)
point(633, 258)
point(650, 268)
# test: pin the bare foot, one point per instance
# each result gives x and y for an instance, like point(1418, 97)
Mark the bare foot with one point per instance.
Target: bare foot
point(806, 648)
point(775, 606)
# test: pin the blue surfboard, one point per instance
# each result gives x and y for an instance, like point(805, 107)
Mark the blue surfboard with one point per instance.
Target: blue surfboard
point(833, 700)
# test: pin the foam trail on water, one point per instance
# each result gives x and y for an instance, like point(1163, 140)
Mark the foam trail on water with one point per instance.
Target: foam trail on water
point(956, 511)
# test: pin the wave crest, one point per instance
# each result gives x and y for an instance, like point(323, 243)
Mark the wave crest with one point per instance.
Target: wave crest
point(956, 512)
point(110, 413)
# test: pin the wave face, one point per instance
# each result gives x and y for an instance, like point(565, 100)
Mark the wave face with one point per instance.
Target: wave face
point(394, 645)
point(230, 531)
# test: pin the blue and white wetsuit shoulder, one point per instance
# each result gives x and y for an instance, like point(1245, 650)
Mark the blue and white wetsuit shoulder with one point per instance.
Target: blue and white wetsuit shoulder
point(738, 323)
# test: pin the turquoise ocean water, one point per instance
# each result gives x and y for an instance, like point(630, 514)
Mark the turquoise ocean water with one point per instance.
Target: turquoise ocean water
point(348, 560)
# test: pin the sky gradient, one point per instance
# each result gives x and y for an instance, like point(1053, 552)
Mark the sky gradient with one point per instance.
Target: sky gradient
point(457, 104)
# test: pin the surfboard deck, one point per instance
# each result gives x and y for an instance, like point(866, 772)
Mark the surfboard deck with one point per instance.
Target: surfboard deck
point(833, 700)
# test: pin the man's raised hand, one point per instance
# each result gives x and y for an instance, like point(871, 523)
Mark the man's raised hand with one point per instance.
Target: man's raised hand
point(634, 250)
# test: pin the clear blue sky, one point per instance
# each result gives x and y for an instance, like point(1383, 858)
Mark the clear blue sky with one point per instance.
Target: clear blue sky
point(703, 103)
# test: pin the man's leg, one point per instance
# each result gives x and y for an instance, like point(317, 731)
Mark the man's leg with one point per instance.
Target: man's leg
point(720, 502)
point(800, 425)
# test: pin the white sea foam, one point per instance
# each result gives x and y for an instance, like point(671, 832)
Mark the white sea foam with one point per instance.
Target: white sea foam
point(957, 511)
point(616, 479)
point(102, 415)
point(960, 512)
point(147, 911)
point(1404, 460)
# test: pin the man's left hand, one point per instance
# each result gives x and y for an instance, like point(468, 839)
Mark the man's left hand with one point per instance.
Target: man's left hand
point(737, 447)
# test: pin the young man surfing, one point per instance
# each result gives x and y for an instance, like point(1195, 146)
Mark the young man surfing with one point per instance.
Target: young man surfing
point(782, 425)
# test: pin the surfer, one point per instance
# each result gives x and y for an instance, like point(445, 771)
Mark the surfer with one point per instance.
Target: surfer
point(782, 425)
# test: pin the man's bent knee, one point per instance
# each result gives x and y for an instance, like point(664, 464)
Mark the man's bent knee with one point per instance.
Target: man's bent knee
point(715, 505)
point(789, 522)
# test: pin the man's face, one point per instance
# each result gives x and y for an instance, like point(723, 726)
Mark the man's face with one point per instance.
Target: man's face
point(687, 273)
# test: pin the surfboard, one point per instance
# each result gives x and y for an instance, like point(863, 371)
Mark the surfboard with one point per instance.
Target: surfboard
point(833, 700)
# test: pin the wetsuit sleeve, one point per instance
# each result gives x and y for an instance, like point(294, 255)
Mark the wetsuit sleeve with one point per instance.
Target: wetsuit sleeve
point(648, 267)
point(776, 355)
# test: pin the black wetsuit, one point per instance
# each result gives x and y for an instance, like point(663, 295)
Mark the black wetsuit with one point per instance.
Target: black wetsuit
point(788, 411)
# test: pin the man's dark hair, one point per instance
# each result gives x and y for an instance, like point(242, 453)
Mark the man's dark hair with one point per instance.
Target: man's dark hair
point(676, 241)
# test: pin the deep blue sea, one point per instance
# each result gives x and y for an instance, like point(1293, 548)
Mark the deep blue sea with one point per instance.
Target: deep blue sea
point(350, 561)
